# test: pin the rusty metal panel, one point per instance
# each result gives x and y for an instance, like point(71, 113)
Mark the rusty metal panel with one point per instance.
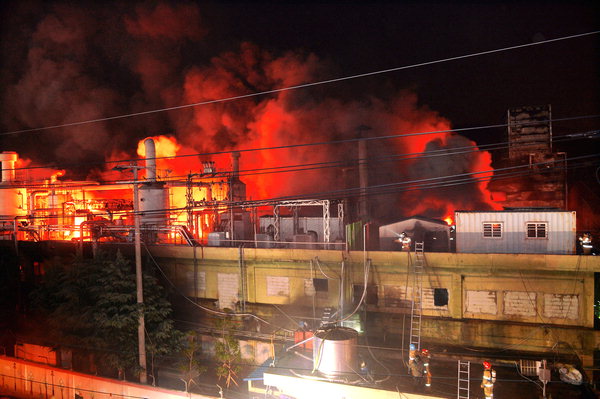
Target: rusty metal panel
point(561, 229)
point(529, 131)
point(482, 302)
point(228, 285)
point(278, 286)
point(518, 303)
point(561, 306)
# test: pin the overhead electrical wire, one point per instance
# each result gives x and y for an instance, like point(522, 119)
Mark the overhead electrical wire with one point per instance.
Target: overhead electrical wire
point(405, 156)
point(587, 134)
point(302, 86)
point(209, 310)
point(384, 189)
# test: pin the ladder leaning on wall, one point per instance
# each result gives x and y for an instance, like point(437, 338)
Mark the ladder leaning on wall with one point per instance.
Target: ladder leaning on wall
point(464, 382)
point(417, 296)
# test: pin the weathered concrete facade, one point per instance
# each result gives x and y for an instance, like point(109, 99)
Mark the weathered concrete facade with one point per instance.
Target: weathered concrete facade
point(528, 302)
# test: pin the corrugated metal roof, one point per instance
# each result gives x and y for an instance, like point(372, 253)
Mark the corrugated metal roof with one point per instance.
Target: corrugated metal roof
point(507, 210)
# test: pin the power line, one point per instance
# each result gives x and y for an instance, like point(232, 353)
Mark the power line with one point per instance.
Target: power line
point(587, 134)
point(439, 182)
point(301, 86)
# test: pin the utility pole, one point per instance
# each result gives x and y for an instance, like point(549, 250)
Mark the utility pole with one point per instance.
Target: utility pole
point(138, 270)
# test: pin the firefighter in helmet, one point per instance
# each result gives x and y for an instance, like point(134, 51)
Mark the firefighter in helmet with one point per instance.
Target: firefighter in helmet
point(586, 243)
point(412, 353)
point(426, 356)
point(404, 240)
point(489, 378)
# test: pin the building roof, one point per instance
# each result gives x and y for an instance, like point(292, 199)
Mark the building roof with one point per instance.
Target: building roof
point(507, 210)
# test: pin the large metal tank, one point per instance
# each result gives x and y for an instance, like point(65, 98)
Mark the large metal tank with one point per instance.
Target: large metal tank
point(12, 202)
point(12, 199)
point(334, 351)
point(154, 200)
point(154, 203)
point(8, 160)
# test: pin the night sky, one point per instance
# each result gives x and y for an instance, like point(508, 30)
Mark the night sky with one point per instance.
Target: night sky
point(64, 62)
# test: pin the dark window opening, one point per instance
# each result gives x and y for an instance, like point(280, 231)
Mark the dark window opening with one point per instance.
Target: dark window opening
point(371, 298)
point(321, 284)
point(440, 296)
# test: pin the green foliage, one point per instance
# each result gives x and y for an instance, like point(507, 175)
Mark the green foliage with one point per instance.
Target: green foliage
point(93, 303)
point(227, 353)
point(191, 366)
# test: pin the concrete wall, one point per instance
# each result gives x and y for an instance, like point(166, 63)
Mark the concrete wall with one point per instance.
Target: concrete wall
point(519, 295)
point(20, 378)
point(545, 289)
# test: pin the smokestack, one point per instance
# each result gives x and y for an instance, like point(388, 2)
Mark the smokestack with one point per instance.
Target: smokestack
point(7, 162)
point(363, 174)
point(235, 168)
point(150, 160)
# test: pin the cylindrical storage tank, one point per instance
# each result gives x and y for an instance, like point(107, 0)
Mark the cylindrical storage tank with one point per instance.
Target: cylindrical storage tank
point(153, 204)
point(12, 202)
point(334, 351)
point(7, 164)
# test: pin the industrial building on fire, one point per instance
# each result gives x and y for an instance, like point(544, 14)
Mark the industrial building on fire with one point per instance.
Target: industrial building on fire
point(487, 279)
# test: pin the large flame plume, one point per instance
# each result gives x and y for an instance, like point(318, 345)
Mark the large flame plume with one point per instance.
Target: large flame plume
point(144, 51)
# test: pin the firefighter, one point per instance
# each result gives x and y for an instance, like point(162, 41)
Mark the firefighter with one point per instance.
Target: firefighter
point(489, 378)
point(426, 356)
point(416, 370)
point(404, 241)
point(412, 353)
point(586, 243)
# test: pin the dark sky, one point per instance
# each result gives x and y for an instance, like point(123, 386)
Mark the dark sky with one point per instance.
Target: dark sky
point(346, 39)
point(361, 38)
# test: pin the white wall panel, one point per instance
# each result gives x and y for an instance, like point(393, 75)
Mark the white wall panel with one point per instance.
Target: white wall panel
point(561, 306)
point(228, 286)
point(482, 302)
point(518, 303)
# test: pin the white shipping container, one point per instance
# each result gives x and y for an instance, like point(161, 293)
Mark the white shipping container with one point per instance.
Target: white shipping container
point(516, 231)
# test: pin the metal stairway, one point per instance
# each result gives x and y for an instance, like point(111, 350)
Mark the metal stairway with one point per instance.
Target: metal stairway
point(417, 296)
point(464, 374)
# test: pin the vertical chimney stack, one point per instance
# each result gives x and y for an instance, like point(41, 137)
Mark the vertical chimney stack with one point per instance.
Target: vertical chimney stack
point(363, 176)
point(150, 160)
point(235, 165)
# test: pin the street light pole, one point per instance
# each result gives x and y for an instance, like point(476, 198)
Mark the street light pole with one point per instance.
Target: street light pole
point(138, 272)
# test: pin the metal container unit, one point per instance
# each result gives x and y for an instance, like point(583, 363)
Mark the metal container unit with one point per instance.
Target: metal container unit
point(154, 203)
point(335, 352)
point(511, 235)
point(12, 199)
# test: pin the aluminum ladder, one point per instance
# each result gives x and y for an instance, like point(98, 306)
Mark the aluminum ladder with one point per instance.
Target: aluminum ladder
point(464, 384)
point(417, 296)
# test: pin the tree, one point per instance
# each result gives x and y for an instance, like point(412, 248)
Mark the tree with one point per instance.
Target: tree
point(191, 367)
point(92, 303)
point(227, 353)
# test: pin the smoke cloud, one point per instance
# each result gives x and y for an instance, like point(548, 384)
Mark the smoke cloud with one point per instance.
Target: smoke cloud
point(78, 67)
